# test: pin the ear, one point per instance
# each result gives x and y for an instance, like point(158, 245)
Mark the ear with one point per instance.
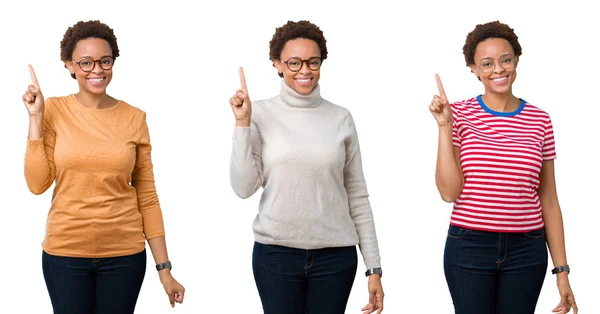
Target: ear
point(70, 66)
point(279, 65)
point(475, 71)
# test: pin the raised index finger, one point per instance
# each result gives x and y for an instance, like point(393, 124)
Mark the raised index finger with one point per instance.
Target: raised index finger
point(243, 81)
point(33, 77)
point(439, 85)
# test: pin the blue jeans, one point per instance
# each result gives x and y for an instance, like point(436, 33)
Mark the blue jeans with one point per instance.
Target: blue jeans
point(295, 281)
point(495, 273)
point(94, 285)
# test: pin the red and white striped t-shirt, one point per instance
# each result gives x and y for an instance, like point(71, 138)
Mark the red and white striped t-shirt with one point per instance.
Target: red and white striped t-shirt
point(501, 154)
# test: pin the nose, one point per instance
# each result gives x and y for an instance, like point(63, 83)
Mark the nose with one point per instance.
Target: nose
point(305, 69)
point(97, 68)
point(498, 67)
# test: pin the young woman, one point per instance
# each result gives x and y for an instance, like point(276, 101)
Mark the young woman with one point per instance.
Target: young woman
point(304, 151)
point(496, 163)
point(104, 205)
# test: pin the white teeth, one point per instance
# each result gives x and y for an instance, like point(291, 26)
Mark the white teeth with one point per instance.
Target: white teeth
point(499, 79)
point(303, 81)
point(96, 80)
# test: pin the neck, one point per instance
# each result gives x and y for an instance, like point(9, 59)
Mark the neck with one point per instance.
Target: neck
point(294, 99)
point(506, 102)
point(95, 101)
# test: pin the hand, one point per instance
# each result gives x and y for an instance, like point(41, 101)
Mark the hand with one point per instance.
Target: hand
point(439, 105)
point(375, 295)
point(174, 289)
point(33, 98)
point(240, 103)
point(567, 300)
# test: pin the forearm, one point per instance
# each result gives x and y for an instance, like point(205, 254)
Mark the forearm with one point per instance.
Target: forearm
point(36, 127)
point(244, 176)
point(242, 122)
point(448, 175)
point(39, 164)
point(368, 244)
point(555, 236)
point(362, 217)
point(158, 246)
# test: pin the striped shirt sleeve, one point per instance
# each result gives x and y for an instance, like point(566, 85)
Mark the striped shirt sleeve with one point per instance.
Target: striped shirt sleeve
point(548, 149)
point(455, 136)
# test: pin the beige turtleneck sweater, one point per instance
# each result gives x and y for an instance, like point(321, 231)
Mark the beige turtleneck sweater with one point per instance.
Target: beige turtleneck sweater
point(304, 151)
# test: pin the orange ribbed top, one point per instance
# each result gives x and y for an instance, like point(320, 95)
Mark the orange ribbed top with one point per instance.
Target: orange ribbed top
point(104, 203)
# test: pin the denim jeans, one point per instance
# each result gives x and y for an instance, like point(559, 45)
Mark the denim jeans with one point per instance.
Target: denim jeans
point(295, 281)
point(94, 285)
point(493, 272)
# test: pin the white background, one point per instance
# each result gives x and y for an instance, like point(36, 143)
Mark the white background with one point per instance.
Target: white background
point(180, 65)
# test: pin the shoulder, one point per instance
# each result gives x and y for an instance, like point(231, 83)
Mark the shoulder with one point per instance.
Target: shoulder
point(56, 106)
point(466, 109)
point(57, 102)
point(335, 109)
point(260, 110)
point(132, 115)
point(338, 113)
point(465, 104)
point(262, 104)
point(129, 109)
point(534, 111)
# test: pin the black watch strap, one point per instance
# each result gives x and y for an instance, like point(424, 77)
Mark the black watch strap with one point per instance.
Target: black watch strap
point(561, 269)
point(162, 266)
point(372, 271)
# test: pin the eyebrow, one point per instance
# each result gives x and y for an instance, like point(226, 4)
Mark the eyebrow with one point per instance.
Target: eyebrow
point(301, 58)
point(89, 57)
point(502, 56)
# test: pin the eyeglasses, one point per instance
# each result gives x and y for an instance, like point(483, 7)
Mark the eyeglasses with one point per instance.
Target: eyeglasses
point(88, 64)
point(295, 64)
point(506, 62)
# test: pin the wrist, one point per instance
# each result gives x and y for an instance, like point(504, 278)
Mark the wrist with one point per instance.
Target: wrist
point(165, 266)
point(445, 127)
point(374, 272)
point(562, 276)
point(37, 117)
point(561, 270)
point(164, 270)
point(242, 123)
point(164, 274)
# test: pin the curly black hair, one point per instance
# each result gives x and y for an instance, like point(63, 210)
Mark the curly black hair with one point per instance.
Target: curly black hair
point(84, 30)
point(486, 31)
point(294, 30)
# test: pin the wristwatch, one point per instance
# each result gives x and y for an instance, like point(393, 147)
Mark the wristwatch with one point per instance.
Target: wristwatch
point(372, 271)
point(162, 266)
point(561, 269)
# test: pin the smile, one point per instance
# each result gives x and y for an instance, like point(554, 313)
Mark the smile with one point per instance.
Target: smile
point(500, 80)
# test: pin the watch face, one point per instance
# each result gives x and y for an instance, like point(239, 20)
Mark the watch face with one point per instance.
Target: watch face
point(163, 266)
point(377, 271)
point(561, 269)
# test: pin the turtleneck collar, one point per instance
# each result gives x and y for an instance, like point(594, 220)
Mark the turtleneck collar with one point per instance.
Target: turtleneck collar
point(293, 99)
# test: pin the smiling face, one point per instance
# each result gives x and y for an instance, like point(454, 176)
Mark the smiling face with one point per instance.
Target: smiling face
point(304, 80)
point(87, 50)
point(495, 65)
